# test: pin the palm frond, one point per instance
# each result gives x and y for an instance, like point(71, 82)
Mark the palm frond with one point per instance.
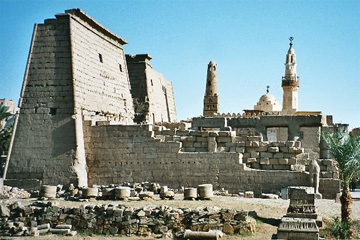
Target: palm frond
point(345, 149)
point(4, 112)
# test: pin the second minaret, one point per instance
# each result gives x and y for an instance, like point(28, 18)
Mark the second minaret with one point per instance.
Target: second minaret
point(211, 103)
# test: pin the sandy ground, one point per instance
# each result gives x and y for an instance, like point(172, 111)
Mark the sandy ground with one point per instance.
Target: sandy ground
point(270, 212)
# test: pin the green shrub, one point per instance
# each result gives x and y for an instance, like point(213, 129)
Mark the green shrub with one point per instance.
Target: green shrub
point(340, 230)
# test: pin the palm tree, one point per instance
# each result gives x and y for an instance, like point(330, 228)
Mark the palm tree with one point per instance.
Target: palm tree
point(5, 138)
point(4, 115)
point(345, 149)
point(5, 133)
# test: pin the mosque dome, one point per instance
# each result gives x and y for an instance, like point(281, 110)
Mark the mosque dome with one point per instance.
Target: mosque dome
point(268, 103)
point(267, 98)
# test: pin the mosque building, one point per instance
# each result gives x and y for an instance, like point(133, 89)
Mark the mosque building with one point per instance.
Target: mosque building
point(267, 104)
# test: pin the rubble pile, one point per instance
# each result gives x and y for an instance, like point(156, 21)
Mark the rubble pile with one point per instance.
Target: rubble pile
point(13, 192)
point(43, 217)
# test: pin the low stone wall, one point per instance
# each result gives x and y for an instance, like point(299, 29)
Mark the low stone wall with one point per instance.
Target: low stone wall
point(113, 219)
point(117, 154)
point(256, 153)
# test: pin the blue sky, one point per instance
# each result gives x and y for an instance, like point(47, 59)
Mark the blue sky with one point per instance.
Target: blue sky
point(247, 39)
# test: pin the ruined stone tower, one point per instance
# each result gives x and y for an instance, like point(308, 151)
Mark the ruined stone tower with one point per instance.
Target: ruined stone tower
point(211, 103)
point(76, 71)
point(290, 83)
point(153, 95)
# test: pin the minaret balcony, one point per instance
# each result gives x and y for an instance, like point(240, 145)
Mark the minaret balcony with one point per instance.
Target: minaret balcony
point(290, 81)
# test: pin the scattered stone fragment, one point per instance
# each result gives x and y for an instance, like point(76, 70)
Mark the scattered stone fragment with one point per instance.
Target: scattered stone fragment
point(146, 195)
point(167, 195)
point(110, 219)
point(269, 196)
point(249, 194)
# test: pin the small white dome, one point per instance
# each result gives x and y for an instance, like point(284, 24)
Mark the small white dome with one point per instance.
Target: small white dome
point(267, 97)
point(268, 103)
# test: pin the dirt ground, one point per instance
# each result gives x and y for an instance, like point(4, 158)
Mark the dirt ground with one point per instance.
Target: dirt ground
point(269, 212)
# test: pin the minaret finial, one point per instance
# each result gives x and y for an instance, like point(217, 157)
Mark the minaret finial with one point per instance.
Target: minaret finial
point(267, 88)
point(291, 40)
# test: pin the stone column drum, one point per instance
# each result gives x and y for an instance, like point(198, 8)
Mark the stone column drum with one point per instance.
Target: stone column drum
point(122, 193)
point(48, 191)
point(90, 192)
point(205, 191)
point(190, 193)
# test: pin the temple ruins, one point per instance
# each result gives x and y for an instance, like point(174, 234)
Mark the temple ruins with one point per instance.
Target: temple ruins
point(90, 114)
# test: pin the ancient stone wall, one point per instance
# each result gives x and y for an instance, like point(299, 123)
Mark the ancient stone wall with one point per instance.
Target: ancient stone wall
point(76, 69)
point(44, 142)
point(256, 153)
point(101, 82)
point(153, 95)
point(310, 139)
point(117, 154)
point(306, 128)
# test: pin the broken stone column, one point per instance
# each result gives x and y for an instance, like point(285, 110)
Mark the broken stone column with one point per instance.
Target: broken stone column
point(48, 191)
point(194, 235)
point(90, 192)
point(190, 193)
point(122, 193)
point(108, 193)
point(205, 191)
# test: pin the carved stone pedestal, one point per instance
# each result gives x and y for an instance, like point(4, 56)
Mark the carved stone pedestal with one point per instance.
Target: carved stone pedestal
point(298, 229)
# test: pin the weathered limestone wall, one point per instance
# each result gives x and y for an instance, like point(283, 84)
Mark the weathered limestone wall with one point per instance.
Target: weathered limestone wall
point(44, 142)
point(117, 154)
point(101, 81)
point(153, 95)
point(311, 140)
point(137, 75)
point(305, 128)
point(76, 69)
point(161, 97)
point(256, 153)
point(275, 134)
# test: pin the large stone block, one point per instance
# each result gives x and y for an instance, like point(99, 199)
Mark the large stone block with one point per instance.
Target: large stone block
point(255, 138)
point(254, 154)
point(327, 162)
point(264, 161)
point(284, 149)
point(224, 139)
point(240, 149)
point(266, 155)
point(290, 143)
point(283, 161)
point(273, 149)
point(274, 161)
point(296, 150)
point(251, 160)
point(281, 167)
